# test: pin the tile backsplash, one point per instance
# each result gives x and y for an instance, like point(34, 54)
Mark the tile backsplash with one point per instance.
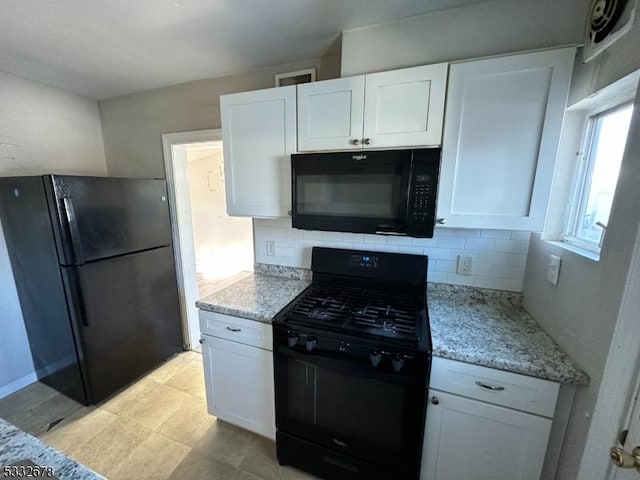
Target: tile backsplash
point(499, 256)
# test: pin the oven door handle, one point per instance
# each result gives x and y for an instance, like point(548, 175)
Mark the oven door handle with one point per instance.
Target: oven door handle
point(350, 367)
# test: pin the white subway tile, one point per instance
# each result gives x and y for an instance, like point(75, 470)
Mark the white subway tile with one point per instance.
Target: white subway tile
point(284, 222)
point(375, 239)
point(456, 279)
point(312, 235)
point(285, 251)
point(265, 222)
point(502, 234)
point(465, 232)
point(412, 250)
point(386, 248)
point(517, 259)
point(445, 266)
point(511, 246)
point(518, 235)
point(436, 253)
point(454, 252)
point(391, 240)
point(478, 268)
point(440, 277)
point(332, 236)
point(439, 232)
point(347, 245)
point(496, 258)
point(479, 243)
point(451, 242)
point(285, 242)
point(424, 242)
point(353, 237)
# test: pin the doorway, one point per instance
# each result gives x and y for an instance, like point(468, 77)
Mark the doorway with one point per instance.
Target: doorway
point(211, 249)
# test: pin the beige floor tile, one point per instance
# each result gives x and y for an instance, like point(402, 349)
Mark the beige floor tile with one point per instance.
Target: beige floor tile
point(225, 442)
point(81, 427)
point(189, 423)
point(26, 399)
point(122, 401)
point(261, 461)
point(189, 379)
point(105, 452)
point(156, 457)
point(37, 420)
point(168, 369)
point(156, 407)
point(197, 466)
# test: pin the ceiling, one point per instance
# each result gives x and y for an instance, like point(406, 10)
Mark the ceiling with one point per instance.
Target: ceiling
point(106, 48)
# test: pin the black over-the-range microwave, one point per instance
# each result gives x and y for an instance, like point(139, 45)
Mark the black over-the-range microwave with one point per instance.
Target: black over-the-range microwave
point(389, 192)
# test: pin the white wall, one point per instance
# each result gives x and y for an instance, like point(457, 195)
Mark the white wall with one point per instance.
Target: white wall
point(223, 244)
point(498, 256)
point(480, 29)
point(42, 130)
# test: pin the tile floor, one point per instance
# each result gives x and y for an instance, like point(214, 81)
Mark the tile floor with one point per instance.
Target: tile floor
point(157, 428)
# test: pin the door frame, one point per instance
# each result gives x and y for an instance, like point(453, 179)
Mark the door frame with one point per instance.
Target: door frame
point(174, 147)
point(622, 367)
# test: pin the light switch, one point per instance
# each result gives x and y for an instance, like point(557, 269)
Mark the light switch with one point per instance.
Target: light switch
point(553, 269)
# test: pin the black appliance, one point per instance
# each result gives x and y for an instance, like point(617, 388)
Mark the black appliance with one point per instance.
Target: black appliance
point(95, 274)
point(352, 358)
point(389, 192)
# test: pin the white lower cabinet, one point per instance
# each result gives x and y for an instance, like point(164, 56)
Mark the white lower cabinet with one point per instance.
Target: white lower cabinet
point(238, 376)
point(483, 438)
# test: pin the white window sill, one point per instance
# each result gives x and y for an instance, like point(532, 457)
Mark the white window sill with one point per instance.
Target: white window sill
point(593, 256)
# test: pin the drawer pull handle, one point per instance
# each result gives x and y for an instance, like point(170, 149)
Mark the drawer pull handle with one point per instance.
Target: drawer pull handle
point(234, 329)
point(489, 387)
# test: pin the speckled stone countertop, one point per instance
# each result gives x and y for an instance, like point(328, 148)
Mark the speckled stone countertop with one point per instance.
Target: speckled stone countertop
point(257, 297)
point(490, 328)
point(473, 325)
point(16, 445)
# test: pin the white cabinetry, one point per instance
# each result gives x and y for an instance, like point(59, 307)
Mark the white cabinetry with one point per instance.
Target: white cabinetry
point(388, 109)
point(486, 424)
point(501, 134)
point(238, 371)
point(259, 135)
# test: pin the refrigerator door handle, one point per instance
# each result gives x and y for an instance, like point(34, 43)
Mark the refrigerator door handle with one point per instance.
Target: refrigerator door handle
point(72, 222)
point(74, 295)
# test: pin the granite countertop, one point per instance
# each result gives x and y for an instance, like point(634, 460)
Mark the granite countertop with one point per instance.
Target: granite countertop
point(473, 325)
point(257, 297)
point(17, 446)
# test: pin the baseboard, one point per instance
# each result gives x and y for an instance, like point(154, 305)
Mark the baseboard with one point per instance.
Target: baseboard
point(18, 384)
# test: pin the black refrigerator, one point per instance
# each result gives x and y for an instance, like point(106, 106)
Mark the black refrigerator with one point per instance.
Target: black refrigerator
point(95, 274)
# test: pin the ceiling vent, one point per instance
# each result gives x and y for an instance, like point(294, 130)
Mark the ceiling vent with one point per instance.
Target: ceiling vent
point(608, 20)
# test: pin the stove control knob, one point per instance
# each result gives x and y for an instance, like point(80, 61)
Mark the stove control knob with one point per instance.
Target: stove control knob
point(311, 343)
point(398, 363)
point(292, 341)
point(375, 357)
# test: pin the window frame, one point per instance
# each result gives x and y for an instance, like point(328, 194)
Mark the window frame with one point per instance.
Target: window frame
point(582, 177)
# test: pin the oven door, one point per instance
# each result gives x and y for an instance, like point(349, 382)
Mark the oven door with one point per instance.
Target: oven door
point(351, 407)
point(362, 192)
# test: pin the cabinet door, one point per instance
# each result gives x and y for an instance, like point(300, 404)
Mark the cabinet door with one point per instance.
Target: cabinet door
point(258, 137)
point(330, 114)
point(501, 133)
point(466, 438)
point(405, 107)
point(239, 384)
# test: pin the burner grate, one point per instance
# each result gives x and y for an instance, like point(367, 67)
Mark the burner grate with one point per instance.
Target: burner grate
point(358, 309)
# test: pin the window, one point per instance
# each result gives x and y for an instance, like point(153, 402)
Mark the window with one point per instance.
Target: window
point(597, 172)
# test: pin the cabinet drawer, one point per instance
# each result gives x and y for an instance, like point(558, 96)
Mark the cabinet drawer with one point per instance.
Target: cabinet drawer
point(495, 386)
point(241, 330)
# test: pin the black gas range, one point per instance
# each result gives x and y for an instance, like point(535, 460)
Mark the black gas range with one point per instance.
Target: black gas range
point(352, 356)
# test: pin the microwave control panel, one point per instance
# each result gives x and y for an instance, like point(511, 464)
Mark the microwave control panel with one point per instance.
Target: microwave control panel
point(422, 198)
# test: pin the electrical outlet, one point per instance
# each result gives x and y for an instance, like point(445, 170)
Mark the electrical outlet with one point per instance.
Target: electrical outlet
point(271, 248)
point(464, 265)
point(553, 269)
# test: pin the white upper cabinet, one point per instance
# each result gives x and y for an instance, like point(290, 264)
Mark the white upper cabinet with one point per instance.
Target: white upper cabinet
point(501, 133)
point(330, 114)
point(258, 137)
point(389, 109)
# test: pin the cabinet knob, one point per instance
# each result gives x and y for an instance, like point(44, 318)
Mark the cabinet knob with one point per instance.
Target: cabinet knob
point(435, 401)
point(289, 212)
point(366, 141)
point(441, 221)
point(201, 340)
point(355, 141)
